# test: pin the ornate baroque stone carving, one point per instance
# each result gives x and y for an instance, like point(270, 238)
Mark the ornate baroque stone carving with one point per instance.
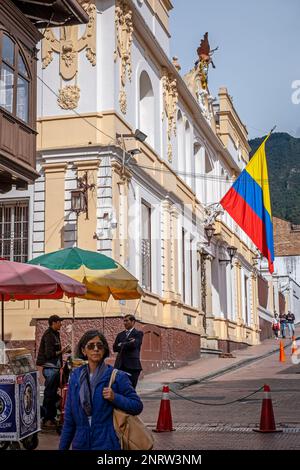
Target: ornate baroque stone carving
point(170, 100)
point(69, 97)
point(69, 45)
point(124, 38)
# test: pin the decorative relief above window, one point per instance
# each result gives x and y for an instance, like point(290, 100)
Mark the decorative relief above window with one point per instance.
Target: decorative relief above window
point(124, 37)
point(68, 46)
point(69, 97)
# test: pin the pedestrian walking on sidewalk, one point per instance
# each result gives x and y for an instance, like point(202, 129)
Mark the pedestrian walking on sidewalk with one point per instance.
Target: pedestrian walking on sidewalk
point(282, 318)
point(50, 358)
point(290, 318)
point(275, 325)
point(128, 346)
point(88, 421)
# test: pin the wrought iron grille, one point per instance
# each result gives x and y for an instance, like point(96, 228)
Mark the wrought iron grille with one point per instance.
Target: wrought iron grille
point(14, 220)
point(146, 264)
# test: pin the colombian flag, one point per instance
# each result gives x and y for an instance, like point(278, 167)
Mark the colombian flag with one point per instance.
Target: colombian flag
point(248, 203)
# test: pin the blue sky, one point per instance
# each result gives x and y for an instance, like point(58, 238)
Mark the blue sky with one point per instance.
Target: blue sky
point(258, 57)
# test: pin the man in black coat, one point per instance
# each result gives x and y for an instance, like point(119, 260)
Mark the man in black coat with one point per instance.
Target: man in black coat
point(50, 358)
point(128, 346)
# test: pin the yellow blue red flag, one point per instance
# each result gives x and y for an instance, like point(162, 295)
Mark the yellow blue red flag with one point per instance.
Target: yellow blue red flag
point(248, 203)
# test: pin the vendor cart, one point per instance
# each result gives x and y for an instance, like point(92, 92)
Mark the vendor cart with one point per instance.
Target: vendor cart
point(19, 401)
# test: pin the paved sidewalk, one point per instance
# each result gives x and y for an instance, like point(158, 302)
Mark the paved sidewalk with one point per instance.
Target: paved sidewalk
point(206, 368)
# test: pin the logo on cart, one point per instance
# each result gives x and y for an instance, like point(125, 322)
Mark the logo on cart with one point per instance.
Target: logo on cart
point(5, 406)
point(28, 400)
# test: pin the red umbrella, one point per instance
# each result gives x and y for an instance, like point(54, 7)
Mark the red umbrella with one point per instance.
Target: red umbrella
point(20, 281)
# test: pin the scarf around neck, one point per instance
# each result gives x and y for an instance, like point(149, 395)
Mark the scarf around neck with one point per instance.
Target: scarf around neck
point(88, 386)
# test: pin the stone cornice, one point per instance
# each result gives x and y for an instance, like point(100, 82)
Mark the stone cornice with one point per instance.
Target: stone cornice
point(55, 167)
point(87, 164)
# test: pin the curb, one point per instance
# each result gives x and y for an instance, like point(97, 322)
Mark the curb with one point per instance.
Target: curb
point(180, 385)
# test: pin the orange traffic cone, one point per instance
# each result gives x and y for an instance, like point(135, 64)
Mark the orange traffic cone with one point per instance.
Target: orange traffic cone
point(267, 421)
point(281, 353)
point(164, 421)
point(294, 346)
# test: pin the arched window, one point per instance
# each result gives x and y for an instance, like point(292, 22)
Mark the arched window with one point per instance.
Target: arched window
point(210, 193)
point(146, 107)
point(180, 145)
point(14, 79)
point(199, 179)
point(187, 156)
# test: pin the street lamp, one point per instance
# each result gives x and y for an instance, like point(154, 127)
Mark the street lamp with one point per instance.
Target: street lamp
point(77, 201)
point(79, 196)
point(209, 232)
point(231, 250)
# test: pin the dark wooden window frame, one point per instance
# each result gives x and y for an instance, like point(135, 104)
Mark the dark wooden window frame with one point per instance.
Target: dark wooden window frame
point(17, 50)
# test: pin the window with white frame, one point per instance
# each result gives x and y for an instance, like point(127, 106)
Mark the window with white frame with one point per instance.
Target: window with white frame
point(191, 272)
point(146, 108)
point(180, 145)
point(146, 245)
point(187, 155)
point(183, 266)
point(246, 300)
point(14, 221)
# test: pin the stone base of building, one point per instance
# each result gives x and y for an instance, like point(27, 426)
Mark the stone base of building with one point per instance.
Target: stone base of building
point(209, 346)
point(163, 348)
point(265, 329)
point(228, 346)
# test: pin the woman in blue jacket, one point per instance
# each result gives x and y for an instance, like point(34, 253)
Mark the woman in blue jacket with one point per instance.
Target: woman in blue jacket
point(88, 421)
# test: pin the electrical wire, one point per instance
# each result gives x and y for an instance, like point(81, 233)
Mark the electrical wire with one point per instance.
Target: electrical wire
point(204, 176)
point(113, 139)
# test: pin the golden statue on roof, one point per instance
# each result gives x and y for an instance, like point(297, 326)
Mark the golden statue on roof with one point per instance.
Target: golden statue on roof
point(205, 59)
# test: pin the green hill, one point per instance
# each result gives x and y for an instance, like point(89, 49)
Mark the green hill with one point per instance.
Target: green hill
point(283, 156)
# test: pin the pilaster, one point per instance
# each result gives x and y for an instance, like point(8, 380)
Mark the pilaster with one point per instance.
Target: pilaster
point(54, 206)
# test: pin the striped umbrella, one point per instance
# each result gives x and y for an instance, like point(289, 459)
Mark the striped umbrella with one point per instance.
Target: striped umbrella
point(102, 276)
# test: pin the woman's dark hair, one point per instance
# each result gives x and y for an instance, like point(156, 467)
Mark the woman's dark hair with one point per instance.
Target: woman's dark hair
point(88, 335)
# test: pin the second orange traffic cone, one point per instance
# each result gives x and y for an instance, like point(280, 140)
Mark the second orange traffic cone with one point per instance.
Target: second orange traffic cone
point(281, 353)
point(294, 346)
point(164, 421)
point(267, 420)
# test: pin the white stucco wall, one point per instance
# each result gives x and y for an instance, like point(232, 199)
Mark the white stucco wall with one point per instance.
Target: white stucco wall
point(106, 67)
point(288, 265)
point(154, 25)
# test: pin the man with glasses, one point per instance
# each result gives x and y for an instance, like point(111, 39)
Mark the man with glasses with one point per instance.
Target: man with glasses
point(128, 346)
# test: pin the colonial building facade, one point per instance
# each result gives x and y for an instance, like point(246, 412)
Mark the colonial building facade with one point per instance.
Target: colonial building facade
point(151, 153)
point(18, 82)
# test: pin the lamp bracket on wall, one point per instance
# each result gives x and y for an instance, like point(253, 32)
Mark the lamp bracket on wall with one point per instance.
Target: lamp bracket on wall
point(79, 196)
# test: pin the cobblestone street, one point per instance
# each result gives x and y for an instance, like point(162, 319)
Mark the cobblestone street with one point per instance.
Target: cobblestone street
point(220, 426)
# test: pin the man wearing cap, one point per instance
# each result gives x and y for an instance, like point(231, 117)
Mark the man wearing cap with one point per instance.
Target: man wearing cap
point(50, 358)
